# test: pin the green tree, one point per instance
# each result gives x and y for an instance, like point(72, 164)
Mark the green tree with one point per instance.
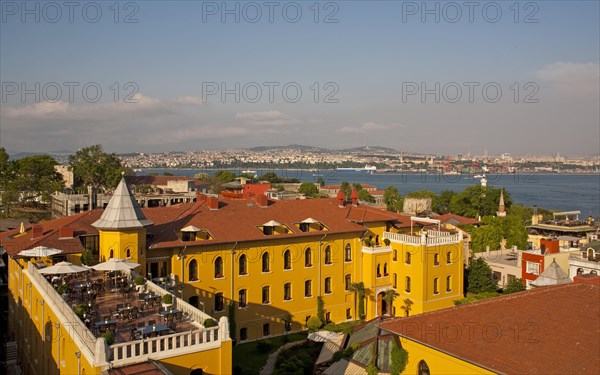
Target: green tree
point(91, 166)
point(480, 277)
point(422, 194)
point(441, 203)
point(309, 189)
point(225, 176)
point(321, 181)
point(36, 178)
point(490, 233)
point(514, 285)
point(345, 187)
point(365, 196)
point(514, 231)
point(407, 306)
point(390, 296)
point(8, 186)
point(314, 323)
point(392, 199)
point(477, 201)
point(522, 212)
point(201, 176)
point(321, 309)
point(86, 257)
point(359, 298)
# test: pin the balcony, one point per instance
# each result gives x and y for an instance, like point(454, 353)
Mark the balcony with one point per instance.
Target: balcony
point(376, 249)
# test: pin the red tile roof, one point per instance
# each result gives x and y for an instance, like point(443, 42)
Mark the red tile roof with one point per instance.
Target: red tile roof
point(237, 220)
point(144, 368)
point(550, 330)
point(457, 218)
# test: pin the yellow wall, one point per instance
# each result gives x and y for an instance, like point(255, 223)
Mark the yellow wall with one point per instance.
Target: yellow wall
point(33, 326)
point(422, 272)
point(216, 361)
point(120, 241)
point(438, 362)
point(256, 313)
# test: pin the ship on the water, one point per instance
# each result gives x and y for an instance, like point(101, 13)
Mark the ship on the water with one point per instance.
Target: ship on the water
point(366, 168)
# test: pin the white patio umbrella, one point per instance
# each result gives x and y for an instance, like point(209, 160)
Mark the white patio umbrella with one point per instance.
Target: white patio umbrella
point(62, 268)
point(40, 251)
point(115, 264)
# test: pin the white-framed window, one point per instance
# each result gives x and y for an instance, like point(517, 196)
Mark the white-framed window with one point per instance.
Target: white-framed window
point(533, 268)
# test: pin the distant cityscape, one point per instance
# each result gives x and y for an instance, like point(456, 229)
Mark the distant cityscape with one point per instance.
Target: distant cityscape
point(383, 160)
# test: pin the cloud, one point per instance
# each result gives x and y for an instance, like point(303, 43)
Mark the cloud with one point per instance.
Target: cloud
point(369, 127)
point(139, 106)
point(267, 118)
point(571, 78)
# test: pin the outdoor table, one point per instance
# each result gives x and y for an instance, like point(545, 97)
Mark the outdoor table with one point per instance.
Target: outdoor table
point(105, 323)
point(153, 330)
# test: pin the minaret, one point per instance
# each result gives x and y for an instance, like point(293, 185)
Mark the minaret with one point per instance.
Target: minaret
point(501, 212)
point(484, 182)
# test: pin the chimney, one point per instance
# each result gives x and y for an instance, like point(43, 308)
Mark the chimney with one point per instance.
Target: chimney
point(200, 197)
point(340, 199)
point(262, 200)
point(65, 232)
point(212, 203)
point(92, 198)
point(354, 197)
point(36, 231)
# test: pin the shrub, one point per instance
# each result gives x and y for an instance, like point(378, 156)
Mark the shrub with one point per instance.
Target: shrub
point(264, 346)
point(167, 299)
point(367, 242)
point(210, 323)
point(386, 241)
point(61, 289)
point(109, 338)
point(86, 257)
point(320, 309)
point(79, 310)
point(399, 359)
point(314, 323)
point(139, 280)
point(372, 370)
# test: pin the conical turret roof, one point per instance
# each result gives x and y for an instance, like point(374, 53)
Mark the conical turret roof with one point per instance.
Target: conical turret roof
point(122, 211)
point(553, 275)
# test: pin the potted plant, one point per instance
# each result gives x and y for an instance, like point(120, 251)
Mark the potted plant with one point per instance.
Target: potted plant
point(367, 242)
point(210, 323)
point(386, 241)
point(167, 300)
point(110, 339)
point(140, 283)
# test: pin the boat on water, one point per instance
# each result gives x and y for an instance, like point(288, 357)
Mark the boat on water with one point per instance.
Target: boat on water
point(248, 171)
point(366, 168)
point(479, 176)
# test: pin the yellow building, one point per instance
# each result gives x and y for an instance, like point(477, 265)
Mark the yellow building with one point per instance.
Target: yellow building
point(265, 264)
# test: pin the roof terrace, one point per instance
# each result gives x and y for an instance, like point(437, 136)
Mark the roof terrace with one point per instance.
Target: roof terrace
point(102, 305)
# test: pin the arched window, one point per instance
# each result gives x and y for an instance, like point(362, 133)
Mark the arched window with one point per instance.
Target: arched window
point(579, 271)
point(348, 253)
point(308, 288)
point(193, 270)
point(219, 304)
point(242, 298)
point(423, 368)
point(449, 257)
point(243, 265)
point(436, 259)
point(594, 272)
point(395, 281)
point(128, 253)
point(218, 267)
point(407, 286)
point(385, 272)
point(407, 258)
point(328, 255)
point(266, 295)
point(308, 258)
point(287, 291)
point(395, 258)
point(287, 260)
point(265, 262)
point(327, 285)
point(112, 253)
point(378, 270)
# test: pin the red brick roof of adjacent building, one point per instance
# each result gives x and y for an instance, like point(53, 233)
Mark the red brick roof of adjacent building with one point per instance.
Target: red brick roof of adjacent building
point(461, 220)
point(144, 368)
point(237, 220)
point(548, 330)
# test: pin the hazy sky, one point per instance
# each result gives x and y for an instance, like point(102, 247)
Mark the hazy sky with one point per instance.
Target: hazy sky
point(445, 77)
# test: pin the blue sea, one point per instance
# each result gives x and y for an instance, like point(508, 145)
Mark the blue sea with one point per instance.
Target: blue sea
point(565, 192)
